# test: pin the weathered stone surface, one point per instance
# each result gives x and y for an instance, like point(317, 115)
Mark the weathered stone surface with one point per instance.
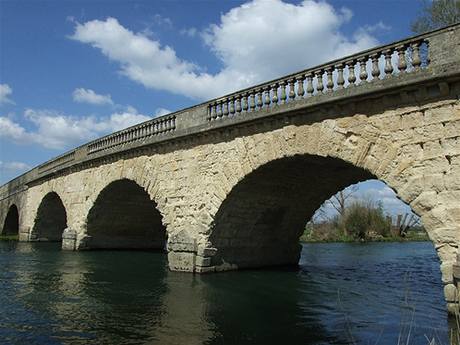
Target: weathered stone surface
point(69, 239)
point(237, 193)
point(451, 293)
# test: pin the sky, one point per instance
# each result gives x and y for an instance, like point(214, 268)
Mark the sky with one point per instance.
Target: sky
point(72, 71)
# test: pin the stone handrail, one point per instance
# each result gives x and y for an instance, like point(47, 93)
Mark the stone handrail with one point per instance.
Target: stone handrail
point(57, 162)
point(428, 57)
point(156, 126)
point(405, 56)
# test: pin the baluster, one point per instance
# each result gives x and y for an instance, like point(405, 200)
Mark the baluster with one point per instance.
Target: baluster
point(375, 66)
point(267, 96)
point(351, 72)
point(275, 94)
point(428, 52)
point(209, 116)
point(416, 61)
point(225, 112)
point(245, 102)
point(310, 88)
point(232, 105)
point(211, 112)
point(363, 69)
point(300, 90)
point(252, 97)
point(214, 110)
point(219, 109)
point(166, 123)
point(402, 64)
point(340, 79)
point(388, 65)
point(238, 104)
point(283, 92)
point(330, 82)
point(291, 83)
point(319, 78)
point(259, 98)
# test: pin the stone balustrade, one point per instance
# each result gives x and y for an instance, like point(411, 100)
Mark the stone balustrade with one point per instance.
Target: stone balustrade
point(430, 56)
point(384, 62)
point(156, 126)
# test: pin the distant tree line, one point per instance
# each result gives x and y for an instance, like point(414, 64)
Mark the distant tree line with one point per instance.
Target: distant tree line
point(363, 220)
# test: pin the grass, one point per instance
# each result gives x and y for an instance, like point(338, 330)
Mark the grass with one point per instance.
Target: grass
point(9, 237)
point(348, 239)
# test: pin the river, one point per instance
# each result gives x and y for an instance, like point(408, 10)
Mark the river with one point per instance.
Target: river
point(341, 294)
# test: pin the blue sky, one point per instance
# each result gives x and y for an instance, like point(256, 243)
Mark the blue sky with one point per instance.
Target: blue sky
point(71, 71)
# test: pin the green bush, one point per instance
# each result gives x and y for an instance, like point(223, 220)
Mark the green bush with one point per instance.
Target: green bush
point(362, 220)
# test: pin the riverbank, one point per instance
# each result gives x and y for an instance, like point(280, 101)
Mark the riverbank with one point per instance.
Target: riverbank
point(9, 237)
point(417, 237)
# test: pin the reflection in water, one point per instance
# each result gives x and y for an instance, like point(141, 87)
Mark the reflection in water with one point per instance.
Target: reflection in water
point(342, 292)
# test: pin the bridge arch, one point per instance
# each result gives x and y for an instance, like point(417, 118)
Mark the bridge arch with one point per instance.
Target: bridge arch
point(11, 224)
point(50, 220)
point(262, 218)
point(123, 216)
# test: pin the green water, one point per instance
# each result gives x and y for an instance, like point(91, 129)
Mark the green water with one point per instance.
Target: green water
point(340, 294)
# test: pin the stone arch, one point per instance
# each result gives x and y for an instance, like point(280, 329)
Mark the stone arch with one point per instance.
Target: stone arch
point(262, 218)
point(123, 216)
point(11, 224)
point(50, 220)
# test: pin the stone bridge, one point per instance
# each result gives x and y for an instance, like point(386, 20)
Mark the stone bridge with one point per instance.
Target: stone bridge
point(231, 183)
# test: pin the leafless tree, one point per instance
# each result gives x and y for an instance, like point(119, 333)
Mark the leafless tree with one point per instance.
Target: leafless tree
point(339, 200)
point(436, 14)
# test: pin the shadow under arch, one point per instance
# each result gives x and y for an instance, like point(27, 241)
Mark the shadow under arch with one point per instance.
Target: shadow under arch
point(124, 217)
point(11, 224)
point(262, 218)
point(51, 219)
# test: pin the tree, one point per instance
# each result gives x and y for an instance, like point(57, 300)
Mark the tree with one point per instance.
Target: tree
point(436, 14)
point(339, 200)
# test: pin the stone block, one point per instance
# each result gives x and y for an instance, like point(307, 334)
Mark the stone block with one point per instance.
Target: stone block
point(202, 261)
point(206, 251)
point(181, 261)
point(69, 239)
point(451, 293)
point(202, 270)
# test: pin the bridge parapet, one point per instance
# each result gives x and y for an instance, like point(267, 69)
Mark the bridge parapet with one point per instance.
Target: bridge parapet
point(147, 129)
point(406, 56)
point(432, 57)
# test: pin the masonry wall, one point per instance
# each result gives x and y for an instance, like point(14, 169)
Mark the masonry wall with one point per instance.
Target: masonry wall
point(217, 190)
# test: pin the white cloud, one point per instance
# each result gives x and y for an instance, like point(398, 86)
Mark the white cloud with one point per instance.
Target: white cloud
point(160, 20)
point(161, 112)
point(11, 130)
point(256, 41)
point(5, 92)
point(190, 32)
point(54, 130)
point(82, 95)
point(13, 168)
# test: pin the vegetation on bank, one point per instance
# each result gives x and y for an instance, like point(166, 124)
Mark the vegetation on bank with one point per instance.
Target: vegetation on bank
point(9, 237)
point(364, 221)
